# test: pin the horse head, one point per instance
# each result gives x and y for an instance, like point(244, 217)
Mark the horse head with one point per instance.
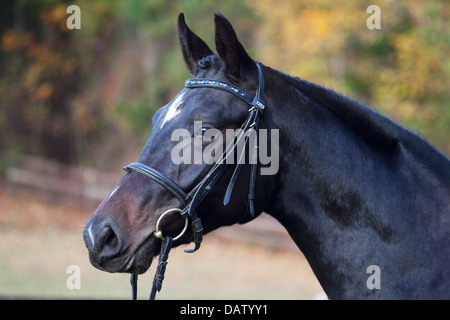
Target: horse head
point(180, 156)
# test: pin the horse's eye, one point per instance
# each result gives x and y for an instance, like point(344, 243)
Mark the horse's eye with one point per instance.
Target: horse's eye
point(201, 133)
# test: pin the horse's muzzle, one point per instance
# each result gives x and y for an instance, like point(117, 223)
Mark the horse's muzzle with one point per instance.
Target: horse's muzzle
point(108, 250)
point(103, 243)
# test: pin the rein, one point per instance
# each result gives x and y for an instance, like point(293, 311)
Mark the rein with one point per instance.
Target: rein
point(192, 200)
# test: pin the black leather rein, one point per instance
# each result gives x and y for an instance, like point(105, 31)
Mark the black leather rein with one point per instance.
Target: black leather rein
point(190, 201)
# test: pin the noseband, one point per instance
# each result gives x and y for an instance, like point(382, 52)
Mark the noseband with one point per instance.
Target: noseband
point(190, 201)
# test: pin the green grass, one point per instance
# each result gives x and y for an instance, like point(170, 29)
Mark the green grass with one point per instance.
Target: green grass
point(35, 251)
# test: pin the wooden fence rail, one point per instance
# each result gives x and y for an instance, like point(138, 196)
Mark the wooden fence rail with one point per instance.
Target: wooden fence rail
point(88, 187)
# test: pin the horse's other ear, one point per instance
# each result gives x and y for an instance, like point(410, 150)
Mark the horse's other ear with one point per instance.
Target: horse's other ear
point(238, 63)
point(193, 48)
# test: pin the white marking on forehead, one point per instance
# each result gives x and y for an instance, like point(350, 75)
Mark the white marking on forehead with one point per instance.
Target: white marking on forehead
point(173, 109)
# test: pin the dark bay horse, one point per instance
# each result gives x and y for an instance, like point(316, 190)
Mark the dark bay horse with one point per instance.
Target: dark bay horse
point(366, 201)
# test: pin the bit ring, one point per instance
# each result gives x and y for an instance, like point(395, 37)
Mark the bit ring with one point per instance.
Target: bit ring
point(158, 233)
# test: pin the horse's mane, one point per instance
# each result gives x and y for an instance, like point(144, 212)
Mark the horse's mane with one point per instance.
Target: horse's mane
point(378, 131)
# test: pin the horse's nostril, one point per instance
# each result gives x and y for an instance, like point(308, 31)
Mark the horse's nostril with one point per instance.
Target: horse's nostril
point(108, 243)
point(111, 239)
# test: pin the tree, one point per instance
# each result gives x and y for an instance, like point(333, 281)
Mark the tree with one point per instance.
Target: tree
point(401, 69)
point(87, 95)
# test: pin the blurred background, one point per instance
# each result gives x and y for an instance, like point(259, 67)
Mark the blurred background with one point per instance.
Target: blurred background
point(76, 105)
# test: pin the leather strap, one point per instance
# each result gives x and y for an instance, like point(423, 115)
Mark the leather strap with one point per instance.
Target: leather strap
point(133, 281)
point(159, 178)
point(228, 87)
point(161, 269)
point(198, 193)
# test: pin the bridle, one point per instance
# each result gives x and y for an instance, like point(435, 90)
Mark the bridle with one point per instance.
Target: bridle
point(191, 200)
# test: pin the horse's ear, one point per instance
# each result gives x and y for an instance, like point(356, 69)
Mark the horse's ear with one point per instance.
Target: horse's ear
point(238, 63)
point(193, 48)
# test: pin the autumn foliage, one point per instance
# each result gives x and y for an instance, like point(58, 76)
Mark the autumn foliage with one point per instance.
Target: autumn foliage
point(87, 96)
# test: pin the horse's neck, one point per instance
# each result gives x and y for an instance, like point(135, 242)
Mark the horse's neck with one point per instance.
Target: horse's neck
point(337, 198)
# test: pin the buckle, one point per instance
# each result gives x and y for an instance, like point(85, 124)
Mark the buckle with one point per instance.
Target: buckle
point(258, 104)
